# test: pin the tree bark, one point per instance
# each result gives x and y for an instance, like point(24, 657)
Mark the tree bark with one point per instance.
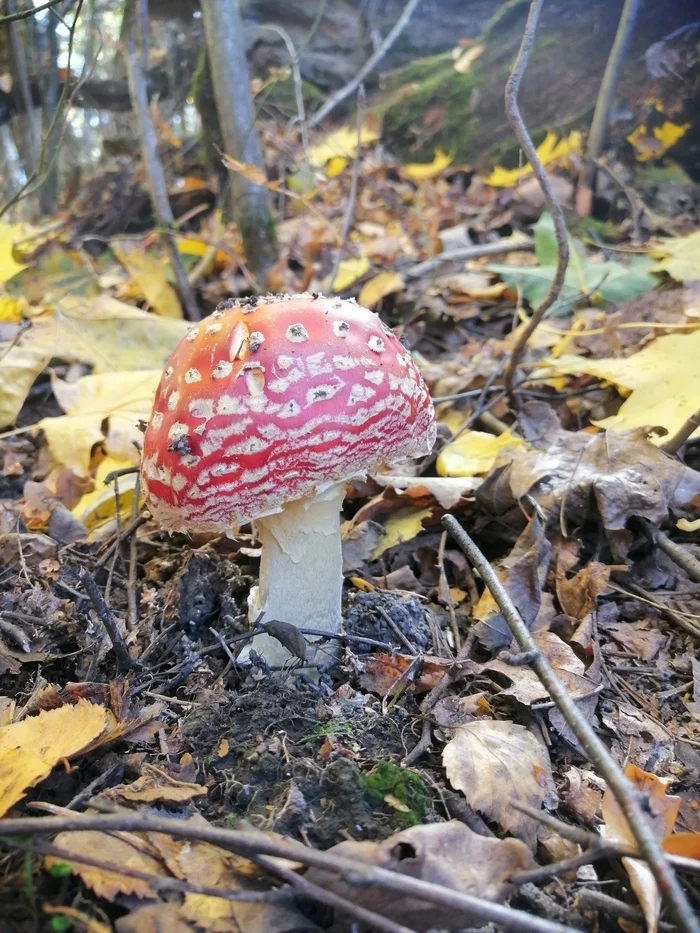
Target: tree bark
point(223, 29)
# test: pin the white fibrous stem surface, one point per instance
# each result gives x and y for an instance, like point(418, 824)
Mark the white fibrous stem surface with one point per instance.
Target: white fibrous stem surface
point(301, 573)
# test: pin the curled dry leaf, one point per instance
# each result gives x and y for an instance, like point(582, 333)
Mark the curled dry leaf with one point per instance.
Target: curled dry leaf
point(663, 810)
point(624, 474)
point(577, 595)
point(494, 763)
point(523, 573)
point(155, 786)
point(115, 851)
point(526, 686)
point(381, 672)
point(448, 492)
point(448, 854)
point(30, 749)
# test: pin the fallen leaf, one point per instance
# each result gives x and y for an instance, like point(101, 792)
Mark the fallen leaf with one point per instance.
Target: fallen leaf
point(381, 673)
point(419, 171)
point(122, 398)
point(349, 270)
point(473, 453)
point(661, 381)
point(447, 492)
point(115, 851)
point(527, 687)
point(335, 166)
point(549, 151)
point(78, 917)
point(465, 58)
point(494, 763)
point(159, 917)
point(18, 370)
point(386, 283)
point(148, 272)
point(250, 172)
point(11, 309)
point(99, 506)
point(609, 280)
point(343, 142)
point(30, 749)
point(448, 854)
point(679, 256)
point(155, 786)
point(9, 266)
point(401, 526)
point(578, 595)
point(663, 810)
point(564, 472)
point(652, 146)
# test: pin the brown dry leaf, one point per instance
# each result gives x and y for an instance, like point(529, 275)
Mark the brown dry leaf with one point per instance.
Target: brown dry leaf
point(639, 637)
point(112, 850)
point(160, 917)
point(577, 595)
point(623, 474)
point(446, 491)
point(448, 854)
point(663, 810)
point(381, 672)
point(30, 749)
point(155, 786)
point(250, 172)
point(523, 573)
point(494, 763)
point(527, 687)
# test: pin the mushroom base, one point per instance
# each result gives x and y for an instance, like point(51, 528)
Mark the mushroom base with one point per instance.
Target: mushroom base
point(301, 575)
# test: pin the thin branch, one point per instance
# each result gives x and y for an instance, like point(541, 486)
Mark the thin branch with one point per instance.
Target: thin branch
point(674, 443)
point(623, 789)
point(154, 170)
point(298, 87)
point(499, 248)
point(588, 899)
point(679, 555)
point(368, 66)
point(124, 660)
point(253, 844)
point(27, 14)
point(601, 117)
point(528, 147)
point(352, 197)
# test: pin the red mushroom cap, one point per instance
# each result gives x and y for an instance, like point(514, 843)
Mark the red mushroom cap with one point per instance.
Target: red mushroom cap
point(272, 399)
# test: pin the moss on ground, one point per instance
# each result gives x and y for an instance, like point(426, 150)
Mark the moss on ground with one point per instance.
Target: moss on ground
point(388, 779)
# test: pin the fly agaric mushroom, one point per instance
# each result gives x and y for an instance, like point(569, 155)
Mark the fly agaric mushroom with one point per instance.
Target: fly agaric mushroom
point(263, 412)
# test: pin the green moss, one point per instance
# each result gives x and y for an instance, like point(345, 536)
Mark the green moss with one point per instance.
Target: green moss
point(388, 779)
point(590, 228)
point(505, 15)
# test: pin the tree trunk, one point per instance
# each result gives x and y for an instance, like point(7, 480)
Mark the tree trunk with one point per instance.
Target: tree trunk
point(48, 193)
point(229, 71)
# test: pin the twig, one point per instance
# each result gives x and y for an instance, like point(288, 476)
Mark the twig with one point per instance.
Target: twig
point(368, 66)
point(623, 789)
point(637, 592)
point(157, 187)
point(352, 197)
point(601, 116)
point(298, 88)
point(124, 660)
point(528, 147)
point(545, 872)
point(499, 248)
point(674, 443)
point(679, 555)
point(397, 631)
point(315, 892)
point(133, 610)
point(354, 871)
point(589, 899)
point(26, 14)
point(440, 566)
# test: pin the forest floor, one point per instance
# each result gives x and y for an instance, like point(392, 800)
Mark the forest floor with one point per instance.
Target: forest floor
point(590, 523)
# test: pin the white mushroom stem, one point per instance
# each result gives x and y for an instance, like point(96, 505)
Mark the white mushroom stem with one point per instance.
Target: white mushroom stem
point(301, 572)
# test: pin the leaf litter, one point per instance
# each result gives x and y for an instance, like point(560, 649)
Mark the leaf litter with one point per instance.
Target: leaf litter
point(560, 495)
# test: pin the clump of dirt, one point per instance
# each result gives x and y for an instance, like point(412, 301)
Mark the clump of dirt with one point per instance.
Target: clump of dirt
point(366, 616)
point(284, 757)
point(207, 588)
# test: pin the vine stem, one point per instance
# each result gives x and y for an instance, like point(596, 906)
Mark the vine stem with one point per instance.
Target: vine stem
point(518, 126)
point(623, 789)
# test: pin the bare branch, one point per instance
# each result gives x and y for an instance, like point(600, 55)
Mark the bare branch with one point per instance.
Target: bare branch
point(27, 14)
point(352, 198)
point(624, 790)
point(674, 443)
point(368, 66)
point(528, 147)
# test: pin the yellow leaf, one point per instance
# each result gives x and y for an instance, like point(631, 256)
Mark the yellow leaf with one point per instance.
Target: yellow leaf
point(335, 166)
point(684, 525)
point(343, 142)
point(403, 525)
point(549, 152)
point(465, 58)
point(148, 272)
point(474, 453)
point(418, 171)
point(18, 370)
point(251, 173)
point(386, 283)
point(9, 267)
point(348, 271)
point(680, 257)
point(363, 585)
point(100, 505)
point(123, 398)
point(653, 146)
point(11, 309)
point(662, 381)
point(31, 748)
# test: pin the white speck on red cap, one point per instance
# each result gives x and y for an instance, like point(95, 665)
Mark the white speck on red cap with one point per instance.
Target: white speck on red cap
point(315, 390)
